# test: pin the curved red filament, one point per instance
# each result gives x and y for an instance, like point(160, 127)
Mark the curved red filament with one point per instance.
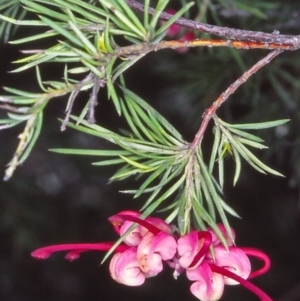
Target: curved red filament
point(75, 249)
point(121, 218)
point(261, 294)
point(261, 256)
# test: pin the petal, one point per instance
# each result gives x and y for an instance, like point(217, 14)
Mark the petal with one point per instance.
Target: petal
point(150, 224)
point(235, 261)
point(119, 219)
point(218, 287)
point(165, 245)
point(151, 266)
point(153, 249)
point(202, 272)
point(117, 222)
point(187, 247)
point(124, 268)
point(209, 286)
point(134, 237)
point(193, 247)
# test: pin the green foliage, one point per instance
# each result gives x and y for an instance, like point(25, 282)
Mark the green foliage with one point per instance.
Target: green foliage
point(97, 41)
point(175, 174)
point(12, 9)
point(87, 47)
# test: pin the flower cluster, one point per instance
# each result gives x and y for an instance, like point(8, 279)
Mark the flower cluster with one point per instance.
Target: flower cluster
point(200, 254)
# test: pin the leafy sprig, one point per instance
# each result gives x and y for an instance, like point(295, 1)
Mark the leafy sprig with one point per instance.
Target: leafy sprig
point(174, 174)
point(98, 41)
point(233, 139)
point(11, 8)
point(87, 46)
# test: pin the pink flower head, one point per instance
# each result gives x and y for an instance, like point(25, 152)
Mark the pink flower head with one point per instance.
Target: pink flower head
point(211, 271)
point(151, 242)
point(139, 256)
point(156, 244)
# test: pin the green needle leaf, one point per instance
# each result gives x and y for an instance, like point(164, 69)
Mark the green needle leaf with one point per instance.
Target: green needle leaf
point(217, 134)
point(63, 31)
point(238, 165)
point(256, 126)
point(138, 165)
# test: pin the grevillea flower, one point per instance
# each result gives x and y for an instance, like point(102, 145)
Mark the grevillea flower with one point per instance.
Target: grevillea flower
point(211, 271)
point(150, 242)
point(139, 257)
point(155, 245)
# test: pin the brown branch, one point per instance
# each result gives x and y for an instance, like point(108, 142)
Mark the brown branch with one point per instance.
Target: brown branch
point(210, 112)
point(290, 41)
point(138, 49)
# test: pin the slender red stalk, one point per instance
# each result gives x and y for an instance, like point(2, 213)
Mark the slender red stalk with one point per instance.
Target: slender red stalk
point(261, 294)
point(210, 112)
point(75, 249)
point(261, 256)
point(121, 218)
point(204, 249)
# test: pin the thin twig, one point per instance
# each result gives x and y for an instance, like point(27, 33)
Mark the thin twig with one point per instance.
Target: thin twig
point(93, 100)
point(290, 41)
point(74, 94)
point(19, 110)
point(138, 49)
point(6, 99)
point(210, 112)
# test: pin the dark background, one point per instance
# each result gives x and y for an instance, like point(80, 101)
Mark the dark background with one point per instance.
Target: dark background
point(55, 199)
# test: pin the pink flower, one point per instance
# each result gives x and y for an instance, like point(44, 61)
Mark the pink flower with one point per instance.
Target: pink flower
point(211, 271)
point(156, 243)
point(150, 242)
point(140, 256)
